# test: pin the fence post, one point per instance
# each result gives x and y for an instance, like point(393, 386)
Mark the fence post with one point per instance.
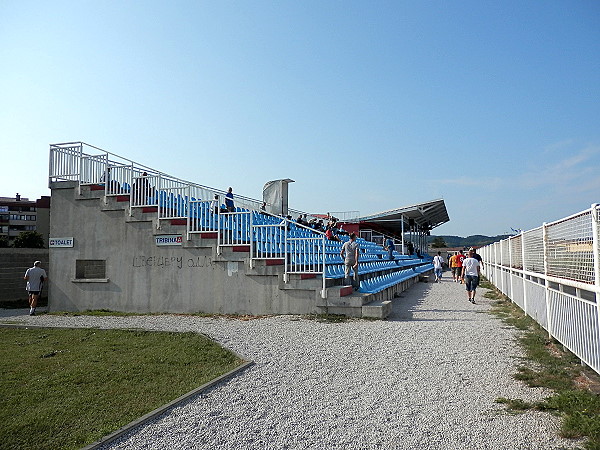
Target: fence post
point(323, 267)
point(50, 166)
point(596, 250)
point(510, 268)
point(158, 193)
point(546, 287)
point(523, 276)
point(286, 276)
point(502, 288)
point(402, 225)
point(252, 242)
point(80, 168)
point(107, 177)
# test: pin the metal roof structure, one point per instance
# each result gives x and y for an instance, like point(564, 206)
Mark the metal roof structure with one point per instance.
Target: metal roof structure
point(420, 217)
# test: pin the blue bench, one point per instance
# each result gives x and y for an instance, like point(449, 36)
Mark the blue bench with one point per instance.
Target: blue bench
point(379, 283)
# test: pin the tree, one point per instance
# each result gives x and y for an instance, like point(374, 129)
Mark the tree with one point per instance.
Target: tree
point(29, 239)
point(438, 242)
point(3, 242)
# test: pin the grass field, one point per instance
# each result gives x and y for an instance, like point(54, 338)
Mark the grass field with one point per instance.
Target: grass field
point(66, 388)
point(547, 364)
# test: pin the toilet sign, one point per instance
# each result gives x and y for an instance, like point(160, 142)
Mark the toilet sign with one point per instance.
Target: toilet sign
point(60, 242)
point(169, 239)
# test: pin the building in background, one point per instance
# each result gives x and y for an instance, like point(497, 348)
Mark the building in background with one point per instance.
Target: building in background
point(18, 214)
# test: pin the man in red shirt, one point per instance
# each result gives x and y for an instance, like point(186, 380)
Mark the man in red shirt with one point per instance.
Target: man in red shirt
point(459, 263)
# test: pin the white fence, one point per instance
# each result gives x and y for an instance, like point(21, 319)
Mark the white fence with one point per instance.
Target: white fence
point(553, 273)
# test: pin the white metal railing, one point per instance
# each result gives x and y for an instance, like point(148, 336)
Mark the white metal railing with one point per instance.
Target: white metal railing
point(346, 216)
point(269, 238)
point(553, 273)
point(380, 239)
point(201, 218)
point(305, 254)
point(234, 229)
point(86, 164)
point(144, 189)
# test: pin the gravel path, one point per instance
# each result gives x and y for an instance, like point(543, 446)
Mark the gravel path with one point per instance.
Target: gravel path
point(426, 378)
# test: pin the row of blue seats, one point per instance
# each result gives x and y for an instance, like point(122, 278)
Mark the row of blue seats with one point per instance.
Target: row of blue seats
point(379, 283)
point(337, 270)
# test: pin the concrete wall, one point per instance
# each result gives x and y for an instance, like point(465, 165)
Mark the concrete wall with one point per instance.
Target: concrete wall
point(144, 277)
point(13, 264)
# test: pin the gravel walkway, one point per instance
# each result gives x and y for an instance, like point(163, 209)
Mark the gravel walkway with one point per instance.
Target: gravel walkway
point(426, 378)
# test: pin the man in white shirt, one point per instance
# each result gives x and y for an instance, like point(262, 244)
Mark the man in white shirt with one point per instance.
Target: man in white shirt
point(35, 277)
point(438, 262)
point(350, 255)
point(470, 275)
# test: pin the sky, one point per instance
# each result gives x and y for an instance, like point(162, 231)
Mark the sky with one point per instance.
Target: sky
point(369, 106)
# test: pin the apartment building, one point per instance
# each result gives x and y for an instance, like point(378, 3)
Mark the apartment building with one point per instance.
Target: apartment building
point(18, 214)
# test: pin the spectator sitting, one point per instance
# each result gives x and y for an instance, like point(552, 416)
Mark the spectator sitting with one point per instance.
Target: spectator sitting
point(110, 184)
point(331, 235)
point(141, 190)
point(342, 231)
point(215, 204)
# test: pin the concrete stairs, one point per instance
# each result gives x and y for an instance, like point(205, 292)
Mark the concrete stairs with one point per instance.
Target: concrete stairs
point(335, 299)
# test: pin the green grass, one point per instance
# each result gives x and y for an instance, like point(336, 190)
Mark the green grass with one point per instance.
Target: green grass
point(66, 388)
point(550, 366)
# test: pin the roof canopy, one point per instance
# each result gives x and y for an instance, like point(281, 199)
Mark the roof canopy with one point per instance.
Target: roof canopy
point(424, 217)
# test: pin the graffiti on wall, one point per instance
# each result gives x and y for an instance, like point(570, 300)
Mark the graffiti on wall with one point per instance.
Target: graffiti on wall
point(176, 262)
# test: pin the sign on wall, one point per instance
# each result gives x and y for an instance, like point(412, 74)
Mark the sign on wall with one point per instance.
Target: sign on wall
point(169, 239)
point(60, 242)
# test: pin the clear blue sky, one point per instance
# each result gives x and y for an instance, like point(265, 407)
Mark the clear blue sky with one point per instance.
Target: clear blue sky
point(369, 106)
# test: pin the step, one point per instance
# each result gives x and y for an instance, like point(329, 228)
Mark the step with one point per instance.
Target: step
point(88, 193)
point(113, 204)
point(338, 298)
point(267, 267)
point(377, 309)
point(301, 281)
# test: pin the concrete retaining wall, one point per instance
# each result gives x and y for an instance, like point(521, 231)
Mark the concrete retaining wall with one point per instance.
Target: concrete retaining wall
point(143, 277)
point(13, 264)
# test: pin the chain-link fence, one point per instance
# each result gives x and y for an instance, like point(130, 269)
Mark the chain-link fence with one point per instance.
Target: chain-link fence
point(553, 273)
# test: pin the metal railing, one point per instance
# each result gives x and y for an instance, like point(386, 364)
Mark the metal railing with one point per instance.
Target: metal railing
point(303, 252)
point(553, 273)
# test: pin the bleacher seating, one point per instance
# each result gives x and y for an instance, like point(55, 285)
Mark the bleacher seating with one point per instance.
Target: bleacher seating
point(376, 270)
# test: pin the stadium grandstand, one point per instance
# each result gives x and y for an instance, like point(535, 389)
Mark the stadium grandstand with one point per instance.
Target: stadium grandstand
point(126, 237)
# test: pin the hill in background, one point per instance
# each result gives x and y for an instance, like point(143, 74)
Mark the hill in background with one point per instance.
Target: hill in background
point(476, 240)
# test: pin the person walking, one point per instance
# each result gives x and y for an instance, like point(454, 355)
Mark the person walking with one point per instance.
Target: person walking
point(35, 277)
point(438, 262)
point(470, 275)
point(350, 255)
point(477, 256)
point(454, 268)
point(459, 264)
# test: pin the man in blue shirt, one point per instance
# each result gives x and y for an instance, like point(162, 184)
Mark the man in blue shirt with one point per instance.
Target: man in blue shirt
point(390, 247)
point(229, 200)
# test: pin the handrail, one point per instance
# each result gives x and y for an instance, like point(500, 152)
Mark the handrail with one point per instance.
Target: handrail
point(138, 168)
